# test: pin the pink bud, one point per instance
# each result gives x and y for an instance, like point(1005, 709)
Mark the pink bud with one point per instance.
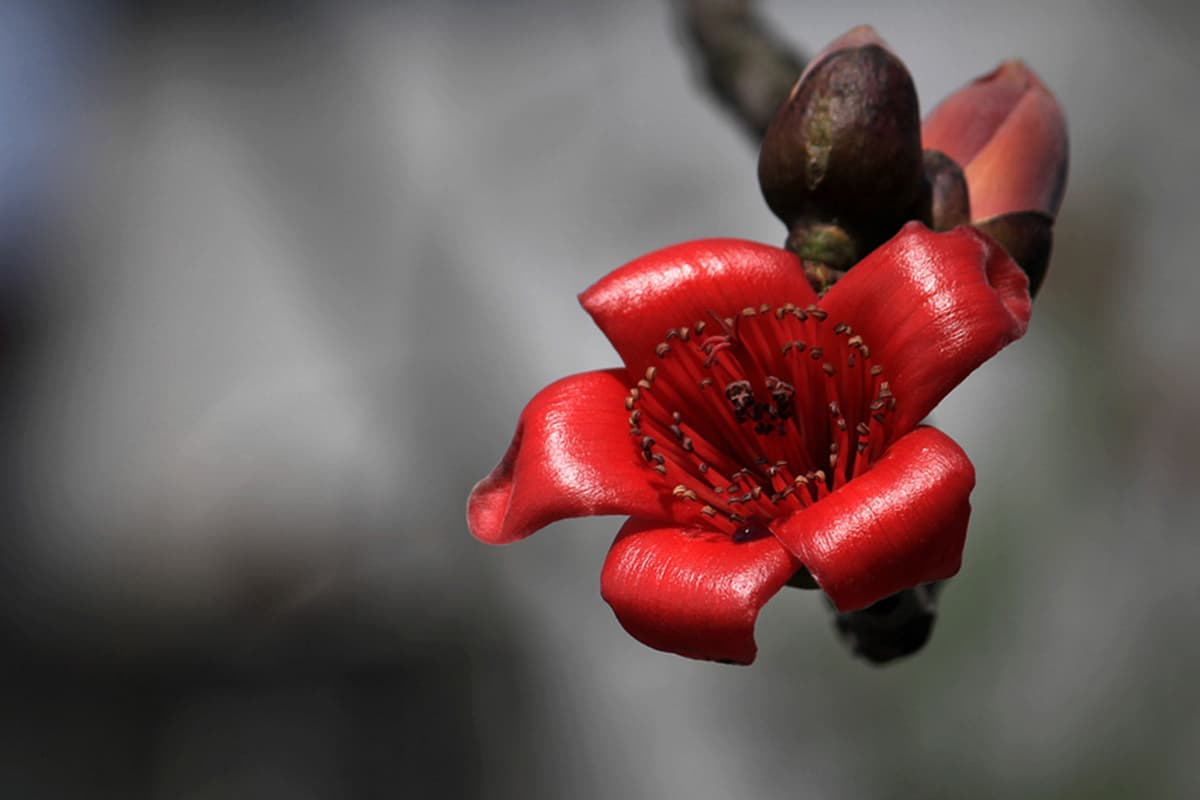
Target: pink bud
point(1009, 135)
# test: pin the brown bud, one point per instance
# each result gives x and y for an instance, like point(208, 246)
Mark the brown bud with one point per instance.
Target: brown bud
point(845, 147)
point(950, 204)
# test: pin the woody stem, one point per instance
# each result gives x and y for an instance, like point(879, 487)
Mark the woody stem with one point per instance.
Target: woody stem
point(747, 68)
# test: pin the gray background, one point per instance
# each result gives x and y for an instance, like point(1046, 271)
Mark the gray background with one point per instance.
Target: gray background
point(277, 284)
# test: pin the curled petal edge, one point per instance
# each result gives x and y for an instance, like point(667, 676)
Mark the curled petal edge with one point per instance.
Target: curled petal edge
point(638, 303)
point(901, 524)
point(932, 307)
point(569, 457)
point(692, 592)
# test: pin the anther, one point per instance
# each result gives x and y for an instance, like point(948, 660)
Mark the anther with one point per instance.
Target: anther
point(753, 397)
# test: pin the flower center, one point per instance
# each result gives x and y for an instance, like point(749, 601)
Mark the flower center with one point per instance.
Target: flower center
point(753, 417)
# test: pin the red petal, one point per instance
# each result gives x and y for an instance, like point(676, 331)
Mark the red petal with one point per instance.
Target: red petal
point(637, 304)
point(900, 524)
point(692, 592)
point(1008, 133)
point(571, 456)
point(932, 307)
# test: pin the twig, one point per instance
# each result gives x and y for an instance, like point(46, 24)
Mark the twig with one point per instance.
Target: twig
point(749, 70)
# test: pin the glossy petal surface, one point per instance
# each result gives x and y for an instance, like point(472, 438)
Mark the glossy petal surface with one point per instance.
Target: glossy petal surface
point(636, 304)
point(902, 523)
point(933, 307)
point(692, 592)
point(571, 456)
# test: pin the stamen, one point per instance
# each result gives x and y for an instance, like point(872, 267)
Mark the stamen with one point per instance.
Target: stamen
point(798, 409)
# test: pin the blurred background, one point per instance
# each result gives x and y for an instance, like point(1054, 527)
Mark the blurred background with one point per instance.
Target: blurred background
point(275, 284)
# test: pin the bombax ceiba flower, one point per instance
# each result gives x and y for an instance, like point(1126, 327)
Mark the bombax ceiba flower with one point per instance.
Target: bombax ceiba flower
point(760, 433)
point(757, 434)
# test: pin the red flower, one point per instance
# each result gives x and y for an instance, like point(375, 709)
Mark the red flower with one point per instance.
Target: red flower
point(756, 431)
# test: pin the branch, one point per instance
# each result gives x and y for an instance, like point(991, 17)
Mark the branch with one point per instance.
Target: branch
point(749, 70)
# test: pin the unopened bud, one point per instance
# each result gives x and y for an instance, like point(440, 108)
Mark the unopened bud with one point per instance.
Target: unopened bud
point(845, 147)
point(1009, 135)
point(950, 204)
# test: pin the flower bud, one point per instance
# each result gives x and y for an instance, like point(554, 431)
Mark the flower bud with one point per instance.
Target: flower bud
point(950, 205)
point(1009, 135)
point(845, 147)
